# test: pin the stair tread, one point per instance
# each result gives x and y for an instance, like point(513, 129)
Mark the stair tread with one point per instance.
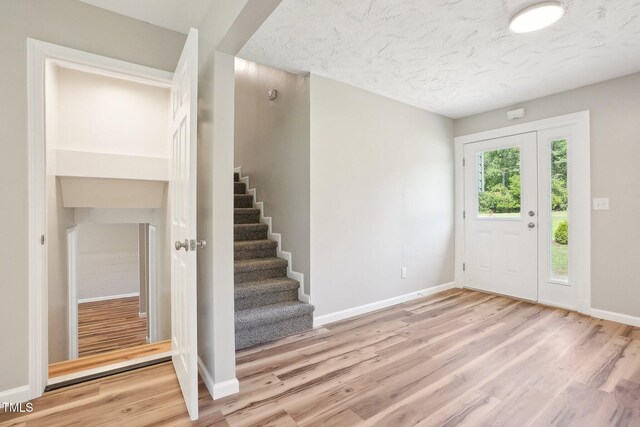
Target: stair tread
point(246, 265)
point(252, 317)
point(254, 244)
point(265, 286)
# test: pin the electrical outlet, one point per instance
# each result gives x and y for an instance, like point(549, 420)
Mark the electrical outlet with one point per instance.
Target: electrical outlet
point(403, 273)
point(601, 204)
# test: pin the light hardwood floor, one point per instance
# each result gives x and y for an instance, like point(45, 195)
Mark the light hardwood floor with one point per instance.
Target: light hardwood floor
point(110, 325)
point(456, 358)
point(116, 357)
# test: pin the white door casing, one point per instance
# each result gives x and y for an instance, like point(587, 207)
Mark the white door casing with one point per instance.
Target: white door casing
point(182, 196)
point(72, 291)
point(501, 253)
point(152, 274)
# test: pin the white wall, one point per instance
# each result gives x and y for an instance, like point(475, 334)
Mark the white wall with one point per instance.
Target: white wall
point(272, 146)
point(381, 197)
point(108, 115)
point(615, 152)
point(107, 260)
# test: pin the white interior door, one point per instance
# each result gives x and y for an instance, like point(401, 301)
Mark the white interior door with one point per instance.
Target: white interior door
point(182, 192)
point(501, 216)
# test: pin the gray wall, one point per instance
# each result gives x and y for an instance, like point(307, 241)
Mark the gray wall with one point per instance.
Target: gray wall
point(615, 156)
point(76, 25)
point(381, 197)
point(272, 146)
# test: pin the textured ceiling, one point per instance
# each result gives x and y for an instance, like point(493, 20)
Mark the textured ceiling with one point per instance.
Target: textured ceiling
point(453, 57)
point(176, 15)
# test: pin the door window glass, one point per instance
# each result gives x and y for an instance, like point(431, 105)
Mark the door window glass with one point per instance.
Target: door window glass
point(559, 208)
point(499, 183)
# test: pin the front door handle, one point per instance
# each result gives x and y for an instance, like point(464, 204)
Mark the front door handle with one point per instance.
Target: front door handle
point(182, 245)
point(531, 225)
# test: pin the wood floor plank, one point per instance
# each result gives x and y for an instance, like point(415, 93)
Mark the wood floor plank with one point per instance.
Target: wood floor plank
point(105, 359)
point(108, 325)
point(459, 358)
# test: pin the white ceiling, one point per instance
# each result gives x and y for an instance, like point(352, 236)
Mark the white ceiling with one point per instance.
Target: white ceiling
point(453, 57)
point(176, 15)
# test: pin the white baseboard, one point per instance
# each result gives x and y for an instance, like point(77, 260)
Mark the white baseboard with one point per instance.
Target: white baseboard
point(615, 317)
point(362, 309)
point(221, 389)
point(16, 395)
point(108, 297)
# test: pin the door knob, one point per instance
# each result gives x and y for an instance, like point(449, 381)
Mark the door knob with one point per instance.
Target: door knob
point(531, 225)
point(182, 245)
point(532, 213)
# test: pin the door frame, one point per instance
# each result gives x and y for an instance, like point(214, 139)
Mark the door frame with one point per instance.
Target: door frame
point(72, 291)
point(38, 52)
point(152, 279)
point(579, 180)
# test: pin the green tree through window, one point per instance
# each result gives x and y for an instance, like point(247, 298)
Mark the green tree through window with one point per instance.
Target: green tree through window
point(500, 183)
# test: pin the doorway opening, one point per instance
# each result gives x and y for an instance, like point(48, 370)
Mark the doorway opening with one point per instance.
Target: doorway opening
point(109, 288)
point(113, 162)
point(107, 234)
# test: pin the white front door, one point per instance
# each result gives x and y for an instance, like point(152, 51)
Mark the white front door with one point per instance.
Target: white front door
point(182, 190)
point(501, 216)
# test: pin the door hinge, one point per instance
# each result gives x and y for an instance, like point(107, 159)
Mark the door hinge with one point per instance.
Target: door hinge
point(464, 163)
point(464, 266)
point(42, 239)
point(464, 214)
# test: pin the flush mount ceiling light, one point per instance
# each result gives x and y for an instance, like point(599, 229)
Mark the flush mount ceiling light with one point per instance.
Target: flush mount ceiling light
point(536, 17)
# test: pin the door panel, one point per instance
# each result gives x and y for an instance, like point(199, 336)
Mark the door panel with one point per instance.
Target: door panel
point(183, 222)
point(500, 235)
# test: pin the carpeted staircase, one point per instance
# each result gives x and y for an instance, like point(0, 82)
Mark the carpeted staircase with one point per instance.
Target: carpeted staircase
point(266, 300)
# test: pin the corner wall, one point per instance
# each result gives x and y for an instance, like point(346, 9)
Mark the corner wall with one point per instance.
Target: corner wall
point(615, 153)
point(381, 197)
point(272, 146)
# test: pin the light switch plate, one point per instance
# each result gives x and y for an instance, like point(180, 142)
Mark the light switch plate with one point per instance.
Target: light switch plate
point(403, 273)
point(600, 203)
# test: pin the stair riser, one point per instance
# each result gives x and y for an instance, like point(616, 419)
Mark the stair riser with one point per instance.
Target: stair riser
point(252, 234)
point(266, 299)
point(246, 218)
point(236, 177)
point(246, 201)
point(239, 188)
point(267, 273)
point(255, 253)
point(269, 332)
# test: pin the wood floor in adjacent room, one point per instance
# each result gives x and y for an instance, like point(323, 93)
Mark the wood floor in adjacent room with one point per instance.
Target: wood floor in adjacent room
point(110, 325)
point(455, 358)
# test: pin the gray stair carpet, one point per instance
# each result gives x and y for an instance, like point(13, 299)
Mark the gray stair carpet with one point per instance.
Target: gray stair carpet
point(266, 300)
